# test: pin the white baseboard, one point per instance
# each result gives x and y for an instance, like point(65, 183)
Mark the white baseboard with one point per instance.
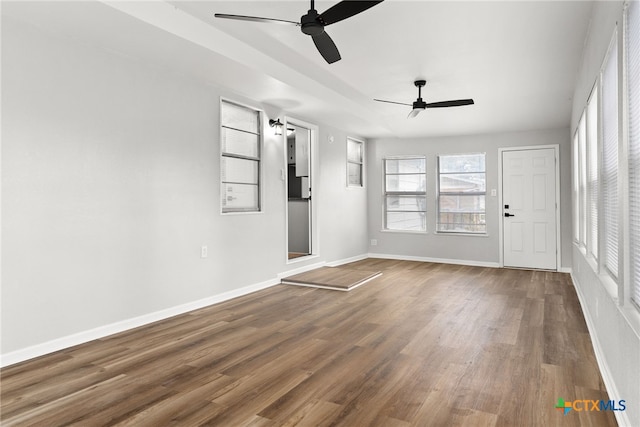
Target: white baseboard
point(309, 267)
point(300, 270)
point(436, 260)
point(61, 343)
point(121, 326)
point(607, 377)
point(347, 260)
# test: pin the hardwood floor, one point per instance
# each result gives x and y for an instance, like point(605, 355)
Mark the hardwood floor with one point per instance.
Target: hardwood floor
point(423, 344)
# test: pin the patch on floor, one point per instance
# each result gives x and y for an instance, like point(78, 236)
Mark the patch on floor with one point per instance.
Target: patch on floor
point(336, 278)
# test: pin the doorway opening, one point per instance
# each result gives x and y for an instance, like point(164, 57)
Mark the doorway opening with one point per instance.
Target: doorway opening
point(299, 185)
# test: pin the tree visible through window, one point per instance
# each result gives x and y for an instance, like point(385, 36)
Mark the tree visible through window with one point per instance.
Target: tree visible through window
point(461, 193)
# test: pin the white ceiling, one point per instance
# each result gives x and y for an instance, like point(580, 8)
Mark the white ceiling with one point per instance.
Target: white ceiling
point(518, 60)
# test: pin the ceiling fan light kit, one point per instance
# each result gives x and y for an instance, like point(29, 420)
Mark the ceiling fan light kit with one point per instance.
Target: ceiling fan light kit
point(313, 23)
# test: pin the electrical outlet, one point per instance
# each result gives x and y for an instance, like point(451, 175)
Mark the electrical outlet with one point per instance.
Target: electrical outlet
point(374, 242)
point(204, 252)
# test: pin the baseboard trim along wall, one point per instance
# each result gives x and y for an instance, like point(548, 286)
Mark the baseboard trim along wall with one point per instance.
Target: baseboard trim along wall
point(436, 260)
point(124, 325)
point(607, 377)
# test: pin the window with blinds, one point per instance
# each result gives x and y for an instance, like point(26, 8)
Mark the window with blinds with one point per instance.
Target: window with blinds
point(240, 158)
point(582, 193)
point(592, 173)
point(576, 188)
point(609, 176)
point(405, 194)
point(632, 43)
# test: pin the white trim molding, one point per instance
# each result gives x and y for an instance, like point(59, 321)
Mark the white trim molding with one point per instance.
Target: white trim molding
point(83, 337)
point(436, 260)
point(124, 325)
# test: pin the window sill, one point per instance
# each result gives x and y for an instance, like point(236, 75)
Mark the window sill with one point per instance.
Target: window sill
point(632, 315)
point(593, 263)
point(609, 285)
point(453, 233)
point(241, 213)
point(404, 231)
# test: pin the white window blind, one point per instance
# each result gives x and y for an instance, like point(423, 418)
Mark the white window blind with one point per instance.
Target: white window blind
point(582, 152)
point(405, 200)
point(576, 188)
point(632, 42)
point(592, 173)
point(610, 160)
point(240, 158)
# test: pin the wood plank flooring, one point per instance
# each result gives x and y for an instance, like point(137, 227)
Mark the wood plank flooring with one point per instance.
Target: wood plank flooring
point(422, 345)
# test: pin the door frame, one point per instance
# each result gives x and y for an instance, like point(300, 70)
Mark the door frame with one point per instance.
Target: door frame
point(556, 148)
point(313, 165)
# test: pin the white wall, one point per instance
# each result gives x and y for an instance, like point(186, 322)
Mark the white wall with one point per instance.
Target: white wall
point(614, 325)
point(110, 185)
point(482, 250)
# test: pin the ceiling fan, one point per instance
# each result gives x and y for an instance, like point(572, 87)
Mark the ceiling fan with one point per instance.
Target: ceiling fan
point(313, 23)
point(419, 105)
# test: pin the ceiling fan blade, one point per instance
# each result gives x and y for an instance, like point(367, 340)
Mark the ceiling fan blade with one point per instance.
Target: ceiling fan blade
point(256, 19)
point(414, 112)
point(456, 103)
point(345, 9)
point(326, 47)
point(392, 102)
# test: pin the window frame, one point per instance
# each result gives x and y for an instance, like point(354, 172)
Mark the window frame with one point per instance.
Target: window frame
point(258, 159)
point(592, 184)
point(610, 180)
point(582, 182)
point(386, 194)
point(439, 192)
point(576, 187)
point(360, 163)
point(631, 279)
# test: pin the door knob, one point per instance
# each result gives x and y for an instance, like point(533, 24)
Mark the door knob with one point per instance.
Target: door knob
point(507, 214)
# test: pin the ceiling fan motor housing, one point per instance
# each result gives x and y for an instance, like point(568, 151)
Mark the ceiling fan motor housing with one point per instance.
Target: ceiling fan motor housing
point(419, 103)
point(310, 23)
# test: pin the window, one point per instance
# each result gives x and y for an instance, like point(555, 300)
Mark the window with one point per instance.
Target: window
point(405, 196)
point(592, 173)
point(582, 195)
point(632, 42)
point(610, 160)
point(240, 158)
point(576, 188)
point(355, 163)
point(461, 193)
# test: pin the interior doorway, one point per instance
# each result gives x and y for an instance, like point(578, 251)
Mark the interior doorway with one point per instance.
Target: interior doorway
point(299, 138)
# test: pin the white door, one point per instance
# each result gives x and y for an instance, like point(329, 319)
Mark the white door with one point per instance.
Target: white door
point(529, 208)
